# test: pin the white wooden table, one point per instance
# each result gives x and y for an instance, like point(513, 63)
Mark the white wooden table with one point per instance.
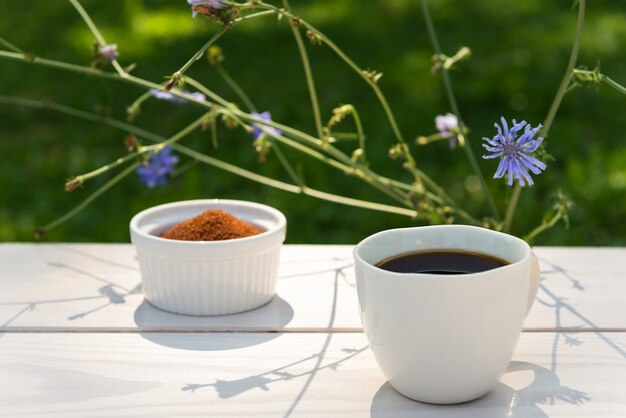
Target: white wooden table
point(78, 339)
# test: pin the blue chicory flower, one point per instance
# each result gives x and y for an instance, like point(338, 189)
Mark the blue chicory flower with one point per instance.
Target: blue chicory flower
point(164, 95)
point(514, 152)
point(158, 166)
point(447, 125)
point(260, 129)
point(109, 51)
point(205, 6)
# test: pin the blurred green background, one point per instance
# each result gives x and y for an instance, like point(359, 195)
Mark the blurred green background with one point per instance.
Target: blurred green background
point(520, 50)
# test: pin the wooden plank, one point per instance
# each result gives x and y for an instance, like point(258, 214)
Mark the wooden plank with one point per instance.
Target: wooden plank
point(97, 287)
point(291, 375)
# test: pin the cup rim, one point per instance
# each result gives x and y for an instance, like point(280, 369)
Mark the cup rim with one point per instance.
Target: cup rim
point(428, 276)
point(136, 230)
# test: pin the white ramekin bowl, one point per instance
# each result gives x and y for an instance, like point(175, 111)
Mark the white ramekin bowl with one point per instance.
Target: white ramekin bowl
point(208, 277)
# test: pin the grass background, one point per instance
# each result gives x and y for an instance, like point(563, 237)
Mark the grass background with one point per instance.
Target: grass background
point(520, 50)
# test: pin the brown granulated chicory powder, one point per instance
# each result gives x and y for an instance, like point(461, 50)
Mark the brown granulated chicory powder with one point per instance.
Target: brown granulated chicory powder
point(212, 225)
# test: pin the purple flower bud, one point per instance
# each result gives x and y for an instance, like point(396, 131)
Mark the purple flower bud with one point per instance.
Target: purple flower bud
point(109, 51)
point(205, 7)
point(260, 129)
point(163, 95)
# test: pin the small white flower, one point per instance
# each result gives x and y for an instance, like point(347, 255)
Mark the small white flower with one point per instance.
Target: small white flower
point(446, 123)
point(109, 51)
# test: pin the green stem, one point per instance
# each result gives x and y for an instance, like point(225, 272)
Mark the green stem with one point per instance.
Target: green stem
point(134, 106)
point(205, 158)
point(345, 136)
point(543, 227)
point(128, 78)
point(10, 46)
point(307, 72)
point(82, 205)
point(96, 33)
point(359, 131)
point(613, 84)
point(602, 78)
point(316, 142)
point(283, 160)
point(418, 174)
point(88, 176)
point(554, 107)
point(236, 88)
point(569, 72)
point(351, 64)
point(138, 81)
point(178, 74)
point(292, 188)
point(142, 150)
point(510, 210)
point(349, 167)
point(455, 109)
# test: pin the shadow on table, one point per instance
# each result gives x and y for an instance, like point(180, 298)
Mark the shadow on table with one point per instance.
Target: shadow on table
point(188, 332)
point(503, 401)
point(547, 297)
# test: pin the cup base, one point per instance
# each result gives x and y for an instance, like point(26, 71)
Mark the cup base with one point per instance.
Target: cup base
point(445, 399)
point(210, 312)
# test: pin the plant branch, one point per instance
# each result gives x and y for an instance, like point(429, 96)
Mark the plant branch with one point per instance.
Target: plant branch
point(236, 88)
point(307, 72)
point(455, 109)
point(207, 159)
point(93, 196)
point(554, 107)
point(11, 46)
point(175, 78)
point(363, 74)
point(597, 77)
point(569, 72)
point(96, 33)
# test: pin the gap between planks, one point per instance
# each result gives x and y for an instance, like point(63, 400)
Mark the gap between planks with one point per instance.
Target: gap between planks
point(223, 330)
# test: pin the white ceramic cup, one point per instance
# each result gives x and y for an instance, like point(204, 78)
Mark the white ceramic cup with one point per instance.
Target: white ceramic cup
point(444, 338)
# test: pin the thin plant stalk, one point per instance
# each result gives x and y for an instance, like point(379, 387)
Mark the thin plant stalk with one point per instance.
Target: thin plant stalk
point(307, 72)
point(290, 171)
point(138, 81)
point(11, 46)
point(96, 33)
point(318, 143)
point(246, 100)
point(89, 199)
point(599, 78)
point(569, 72)
point(267, 181)
point(544, 226)
point(455, 109)
point(147, 84)
point(141, 151)
point(178, 74)
point(135, 105)
point(554, 107)
point(379, 94)
point(235, 87)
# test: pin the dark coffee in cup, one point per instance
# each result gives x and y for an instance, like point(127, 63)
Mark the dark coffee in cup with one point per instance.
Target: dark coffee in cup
point(441, 262)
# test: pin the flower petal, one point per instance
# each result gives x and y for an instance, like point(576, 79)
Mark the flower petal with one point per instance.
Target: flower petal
point(501, 169)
